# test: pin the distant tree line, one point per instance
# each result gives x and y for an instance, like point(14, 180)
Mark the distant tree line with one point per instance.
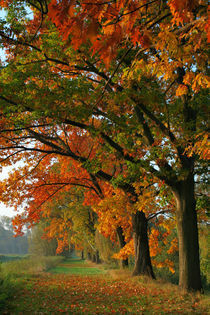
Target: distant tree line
point(8, 243)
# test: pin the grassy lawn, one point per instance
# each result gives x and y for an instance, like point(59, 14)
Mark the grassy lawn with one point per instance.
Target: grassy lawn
point(78, 287)
point(76, 267)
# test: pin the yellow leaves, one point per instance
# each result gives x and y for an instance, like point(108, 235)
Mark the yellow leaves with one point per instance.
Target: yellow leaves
point(197, 82)
point(174, 246)
point(170, 265)
point(145, 201)
point(139, 68)
point(126, 251)
point(153, 243)
point(201, 147)
point(188, 78)
point(181, 90)
point(165, 264)
point(201, 81)
point(109, 29)
point(168, 224)
point(167, 41)
point(114, 211)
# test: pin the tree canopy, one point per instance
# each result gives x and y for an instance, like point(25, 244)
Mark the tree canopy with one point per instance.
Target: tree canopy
point(118, 89)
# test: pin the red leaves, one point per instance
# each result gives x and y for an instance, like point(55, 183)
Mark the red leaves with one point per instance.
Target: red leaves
point(141, 38)
point(60, 11)
point(50, 294)
point(182, 10)
point(207, 27)
point(4, 3)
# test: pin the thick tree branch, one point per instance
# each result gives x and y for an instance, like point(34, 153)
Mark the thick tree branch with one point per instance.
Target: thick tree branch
point(147, 131)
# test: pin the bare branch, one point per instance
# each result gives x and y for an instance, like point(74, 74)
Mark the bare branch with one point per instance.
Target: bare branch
point(153, 215)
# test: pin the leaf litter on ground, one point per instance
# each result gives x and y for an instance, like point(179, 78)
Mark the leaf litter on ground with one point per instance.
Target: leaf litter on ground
point(62, 290)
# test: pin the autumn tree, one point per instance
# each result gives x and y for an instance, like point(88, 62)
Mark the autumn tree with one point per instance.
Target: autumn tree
point(38, 245)
point(127, 73)
point(72, 223)
point(166, 31)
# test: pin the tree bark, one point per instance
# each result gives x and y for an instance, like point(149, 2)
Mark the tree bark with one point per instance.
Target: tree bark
point(121, 238)
point(93, 259)
point(89, 256)
point(98, 261)
point(189, 261)
point(143, 265)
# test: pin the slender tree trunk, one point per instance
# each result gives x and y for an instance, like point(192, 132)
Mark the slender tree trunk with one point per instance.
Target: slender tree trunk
point(143, 265)
point(98, 261)
point(89, 256)
point(82, 255)
point(189, 261)
point(93, 257)
point(119, 230)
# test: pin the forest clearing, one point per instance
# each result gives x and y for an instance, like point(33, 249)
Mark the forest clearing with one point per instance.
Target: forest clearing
point(79, 287)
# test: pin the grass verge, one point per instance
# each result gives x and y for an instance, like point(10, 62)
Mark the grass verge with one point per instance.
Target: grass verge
point(13, 275)
point(31, 264)
point(114, 292)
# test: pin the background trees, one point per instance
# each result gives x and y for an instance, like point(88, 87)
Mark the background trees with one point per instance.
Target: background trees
point(9, 244)
point(40, 246)
point(128, 77)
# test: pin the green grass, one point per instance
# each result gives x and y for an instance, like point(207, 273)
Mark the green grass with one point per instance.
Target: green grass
point(18, 272)
point(29, 265)
point(76, 267)
point(79, 287)
point(74, 261)
point(12, 257)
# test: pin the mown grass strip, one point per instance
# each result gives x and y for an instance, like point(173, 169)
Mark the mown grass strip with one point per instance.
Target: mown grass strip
point(76, 267)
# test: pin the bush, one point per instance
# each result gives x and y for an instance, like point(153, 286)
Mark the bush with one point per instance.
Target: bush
point(32, 264)
point(8, 287)
point(6, 258)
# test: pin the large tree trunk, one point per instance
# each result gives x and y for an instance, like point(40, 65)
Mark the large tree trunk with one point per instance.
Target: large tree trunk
point(121, 238)
point(189, 261)
point(143, 265)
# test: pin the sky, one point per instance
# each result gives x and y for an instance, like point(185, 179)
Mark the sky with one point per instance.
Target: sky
point(7, 211)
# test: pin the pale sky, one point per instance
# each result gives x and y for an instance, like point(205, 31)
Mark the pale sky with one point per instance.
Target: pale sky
point(9, 212)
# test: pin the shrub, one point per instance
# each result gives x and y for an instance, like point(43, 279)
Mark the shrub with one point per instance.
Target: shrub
point(7, 289)
point(32, 264)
